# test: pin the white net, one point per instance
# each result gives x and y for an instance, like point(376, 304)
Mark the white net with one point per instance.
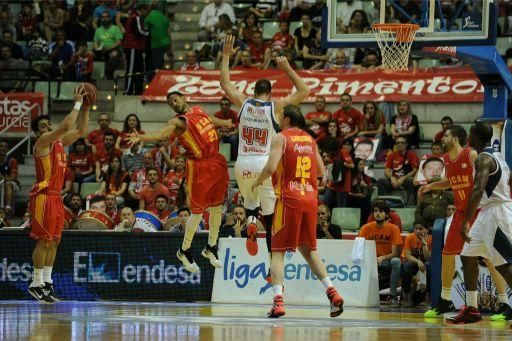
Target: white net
point(395, 41)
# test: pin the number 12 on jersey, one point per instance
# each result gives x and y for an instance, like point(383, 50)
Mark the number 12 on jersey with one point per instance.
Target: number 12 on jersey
point(251, 135)
point(303, 167)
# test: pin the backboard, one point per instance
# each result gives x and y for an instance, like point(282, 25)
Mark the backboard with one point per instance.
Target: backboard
point(442, 22)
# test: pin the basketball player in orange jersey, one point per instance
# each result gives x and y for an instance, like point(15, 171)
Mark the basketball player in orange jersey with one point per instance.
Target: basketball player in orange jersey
point(46, 206)
point(207, 172)
point(459, 177)
point(295, 166)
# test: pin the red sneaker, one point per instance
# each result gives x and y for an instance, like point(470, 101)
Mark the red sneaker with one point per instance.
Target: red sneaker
point(466, 315)
point(278, 308)
point(336, 301)
point(252, 242)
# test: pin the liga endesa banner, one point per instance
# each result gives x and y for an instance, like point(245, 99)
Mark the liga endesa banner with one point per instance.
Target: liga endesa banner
point(434, 85)
point(12, 105)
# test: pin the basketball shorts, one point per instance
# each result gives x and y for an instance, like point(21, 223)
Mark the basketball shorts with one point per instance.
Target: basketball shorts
point(292, 228)
point(47, 216)
point(491, 235)
point(454, 243)
point(207, 182)
point(247, 170)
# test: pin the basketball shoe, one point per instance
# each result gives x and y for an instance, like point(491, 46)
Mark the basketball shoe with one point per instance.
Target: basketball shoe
point(443, 306)
point(210, 252)
point(466, 315)
point(277, 308)
point(504, 313)
point(252, 233)
point(50, 292)
point(186, 259)
point(336, 301)
point(40, 294)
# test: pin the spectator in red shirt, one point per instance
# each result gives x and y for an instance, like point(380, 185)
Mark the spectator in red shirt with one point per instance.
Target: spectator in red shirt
point(405, 123)
point(446, 121)
point(95, 137)
point(191, 64)
point(249, 27)
point(246, 63)
point(174, 178)
point(401, 167)
point(111, 210)
point(282, 40)
point(81, 162)
point(115, 180)
point(161, 209)
point(27, 22)
point(228, 135)
point(139, 177)
point(82, 63)
point(348, 118)
point(374, 121)
point(8, 173)
point(147, 197)
point(336, 193)
point(260, 51)
point(361, 189)
point(317, 120)
point(131, 124)
point(163, 156)
point(104, 153)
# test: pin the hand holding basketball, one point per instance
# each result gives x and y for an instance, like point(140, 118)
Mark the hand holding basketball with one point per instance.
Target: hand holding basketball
point(88, 92)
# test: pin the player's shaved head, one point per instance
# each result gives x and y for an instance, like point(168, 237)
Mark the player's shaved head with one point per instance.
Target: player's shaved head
point(262, 87)
point(482, 130)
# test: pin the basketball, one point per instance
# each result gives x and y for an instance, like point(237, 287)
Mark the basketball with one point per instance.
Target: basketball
point(90, 97)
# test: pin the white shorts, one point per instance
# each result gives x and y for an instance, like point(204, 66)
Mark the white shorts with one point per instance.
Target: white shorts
point(491, 235)
point(247, 170)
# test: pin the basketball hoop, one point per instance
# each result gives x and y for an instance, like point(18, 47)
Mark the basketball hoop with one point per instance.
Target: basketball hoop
point(395, 42)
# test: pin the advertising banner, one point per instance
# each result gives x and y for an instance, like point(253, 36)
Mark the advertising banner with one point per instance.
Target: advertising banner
point(12, 105)
point(242, 277)
point(108, 266)
point(437, 85)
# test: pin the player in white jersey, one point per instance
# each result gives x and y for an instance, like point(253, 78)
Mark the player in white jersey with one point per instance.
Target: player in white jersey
point(490, 235)
point(259, 119)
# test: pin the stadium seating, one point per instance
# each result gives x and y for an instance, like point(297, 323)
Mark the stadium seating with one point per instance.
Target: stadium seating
point(269, 29)
point(89, 188)
point(407, 217)
point(348, 218)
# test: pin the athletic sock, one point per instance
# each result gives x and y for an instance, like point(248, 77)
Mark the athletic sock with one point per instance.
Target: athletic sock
point(446, 294)
point(37, 280)
point(190, 230)
point(326, 282)
point(47, 274)
point(472, 299)
point(278, 290)
point(502, 298)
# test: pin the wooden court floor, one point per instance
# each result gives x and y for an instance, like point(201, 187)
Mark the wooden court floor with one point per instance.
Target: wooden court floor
point(27, 320)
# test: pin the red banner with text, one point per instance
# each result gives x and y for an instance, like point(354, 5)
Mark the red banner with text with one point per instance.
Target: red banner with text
point(13, 105)
point(458, 85)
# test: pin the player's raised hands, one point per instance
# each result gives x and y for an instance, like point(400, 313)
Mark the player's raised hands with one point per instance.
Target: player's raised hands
point(229, 41)
point(282, 63)
point(132, 138)
point(79, 96)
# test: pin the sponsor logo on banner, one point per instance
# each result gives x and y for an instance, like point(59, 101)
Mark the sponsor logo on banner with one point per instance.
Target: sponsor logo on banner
point(242, 278)
point(12, 106)
point(106, 267)
point(13, 272)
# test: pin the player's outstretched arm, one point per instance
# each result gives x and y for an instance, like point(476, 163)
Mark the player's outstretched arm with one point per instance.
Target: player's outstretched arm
point(276, 152)
point(71, 136)
point(167, 130)
point(296, 97)
point(231, 91)
point(220, 123)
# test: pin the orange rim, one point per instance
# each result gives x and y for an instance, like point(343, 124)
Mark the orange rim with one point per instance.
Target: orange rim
point(404, 32)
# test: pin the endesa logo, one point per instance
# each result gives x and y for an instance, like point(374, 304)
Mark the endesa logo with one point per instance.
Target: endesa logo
point(242, 273)
point(105, 267)
point(14, 272)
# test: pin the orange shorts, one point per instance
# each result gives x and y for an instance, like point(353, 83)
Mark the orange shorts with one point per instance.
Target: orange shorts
point(454, 242)
point(292, 228)
point(207, 182)
point(47, 216)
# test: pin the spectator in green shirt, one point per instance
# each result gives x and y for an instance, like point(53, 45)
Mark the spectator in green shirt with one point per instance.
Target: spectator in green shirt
point(159, 29)
point(107, 45)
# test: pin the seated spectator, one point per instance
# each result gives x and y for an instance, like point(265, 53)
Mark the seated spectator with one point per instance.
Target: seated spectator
point(97, 203)
point(107, 45)
point(108, 6)
point(183, 215)
point(324, 228)
point(131, 124)
point(191, 64)
point(81, 162)
point(317, 120)
point(61, 51)
point(374, 121)
point(37, 46)
point(236, 224)
point(264, 8)
point(361, 191)
point(249, 26)
point(371, 61)
point(304, 34)
point(6, 22)
point(74, 205)
point(260, 51)
point(25, 220)
point(115, 180)
point(336, 194)
point(282, 40)
point(162, 210)
point(405, 123)
point(139, 177)
point(163, 155)
point(16, 50)
point(228, 135)
point(111, 208)
point(446, 121)
point(53, 20)
point(246, 63)
point(174, 178)
point(27, 22)
point(358, 23)
point(400, 169)
point(392, 217)
point(332, 138)
point(345, 11)
point(223, 28)
point(316, 13)
point(96, 137)
point(67, 188)
point(387, 242)
point(8, 173)
point(315, 56)
point(104, 154)
point(436, 150)
point(128, 222)
point(158, 26)
point(432, 205)
point(4, 221)
point(348, 118)
point(147, 197)
point(340, 61)
point(82, 63)
point(210, 17)
point(417, 252)
point(79, 19)
point(297, 9)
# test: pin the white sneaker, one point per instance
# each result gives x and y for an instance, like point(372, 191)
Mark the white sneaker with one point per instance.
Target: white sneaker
point(210, 252)
point(186, 259)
